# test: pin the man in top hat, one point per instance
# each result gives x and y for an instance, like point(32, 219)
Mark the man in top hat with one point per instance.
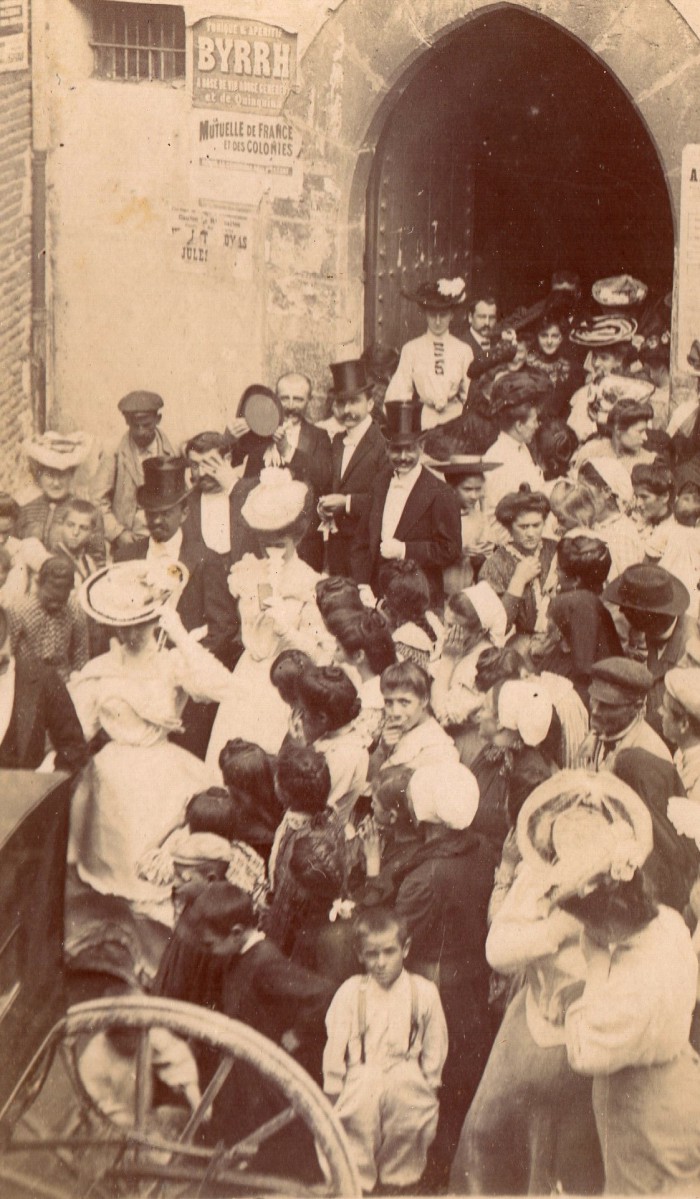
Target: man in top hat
point(413, 514)
point(120, 472)
point(619, 691)
point(54, 459)
point(515, 400)
point(434, 366)
point(205, 603)
point(654, 603)
point(358, 455)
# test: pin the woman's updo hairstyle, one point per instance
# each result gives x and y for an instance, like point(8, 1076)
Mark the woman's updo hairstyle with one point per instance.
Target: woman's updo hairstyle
point(327, 691)
point(517, 503)
point(586, 559)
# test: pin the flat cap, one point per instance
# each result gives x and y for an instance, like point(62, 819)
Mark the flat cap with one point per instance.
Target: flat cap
point(684, 686)
point(140, 401)
point(619, 681)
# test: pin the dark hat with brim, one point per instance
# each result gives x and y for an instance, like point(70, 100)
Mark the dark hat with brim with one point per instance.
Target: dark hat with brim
point(402, 422)
point(460, 465)
point(441, 294)
point(164, 484)
point(350, 379)
point(648, 588)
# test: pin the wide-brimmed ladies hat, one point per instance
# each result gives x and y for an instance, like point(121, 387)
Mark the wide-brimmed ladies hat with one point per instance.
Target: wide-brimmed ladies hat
point(439, 294)
point(648, 588)
point(276, 502)
point(580, 827)
point(132, 593)
point(58, 451)
point(619, 291)
point(460, 465)
point(606, 330)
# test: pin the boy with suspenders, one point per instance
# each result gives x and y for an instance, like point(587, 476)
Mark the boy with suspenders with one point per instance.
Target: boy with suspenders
point(386, 1047)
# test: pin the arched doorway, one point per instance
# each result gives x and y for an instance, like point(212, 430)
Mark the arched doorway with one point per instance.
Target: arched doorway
point(512, 152)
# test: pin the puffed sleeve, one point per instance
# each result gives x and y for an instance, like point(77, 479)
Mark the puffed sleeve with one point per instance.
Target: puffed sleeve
point(522, 931)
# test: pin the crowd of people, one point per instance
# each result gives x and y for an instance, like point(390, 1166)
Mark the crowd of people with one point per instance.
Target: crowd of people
point(385, 733)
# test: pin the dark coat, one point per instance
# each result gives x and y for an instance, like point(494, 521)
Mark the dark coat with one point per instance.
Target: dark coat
point(358, 481)
point(671, 653)
point(430, 526)
point(42, 706)
point(264, 989)
point(311, 460)
point(206, 600)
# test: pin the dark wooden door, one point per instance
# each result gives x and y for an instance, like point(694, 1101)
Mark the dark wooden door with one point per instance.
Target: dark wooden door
point(419, 215)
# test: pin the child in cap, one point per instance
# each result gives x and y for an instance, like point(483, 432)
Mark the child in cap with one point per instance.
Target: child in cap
point(382, 1065)
point(435, 365)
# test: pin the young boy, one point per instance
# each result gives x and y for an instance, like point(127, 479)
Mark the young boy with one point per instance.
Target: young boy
point(73, 536)
point(386, 1047)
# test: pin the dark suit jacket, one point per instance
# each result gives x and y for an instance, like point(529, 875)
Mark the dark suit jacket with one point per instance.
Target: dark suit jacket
point(358, 481)
point(311, 460)
point(242, 540)
point(206, 599)
point(265, 989)
point(42, 705)
point(430, 526)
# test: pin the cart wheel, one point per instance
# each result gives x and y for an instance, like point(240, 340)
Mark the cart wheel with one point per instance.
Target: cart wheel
point(57, 1142)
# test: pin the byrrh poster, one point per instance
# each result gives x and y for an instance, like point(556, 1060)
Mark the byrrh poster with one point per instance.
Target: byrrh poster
point(242, 65)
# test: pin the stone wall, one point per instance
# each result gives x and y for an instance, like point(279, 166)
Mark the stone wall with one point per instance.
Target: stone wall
point(15, 272)
point(125, 313)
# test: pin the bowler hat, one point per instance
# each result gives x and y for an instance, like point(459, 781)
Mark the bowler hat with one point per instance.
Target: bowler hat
point(648, 589)
point(164, 484)
point(440, 294)
point(350, 378)
point(403, 421)
point(620, 681)
point(140, 401)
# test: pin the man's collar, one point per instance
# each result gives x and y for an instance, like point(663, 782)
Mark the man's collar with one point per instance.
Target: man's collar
point(408, 480)
point(354, 435)
point(166, 549)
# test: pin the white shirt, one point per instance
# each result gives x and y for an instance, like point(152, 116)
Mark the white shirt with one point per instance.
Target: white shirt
point(273, 456)
point(216, 520)
point(7, 698)
point(165, 549)
point(351, 441)
point(437, 368)
point(400, 488)
point(516, 466)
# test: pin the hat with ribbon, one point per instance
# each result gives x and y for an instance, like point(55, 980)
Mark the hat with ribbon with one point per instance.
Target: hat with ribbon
point(580, 828)
point(440, 294)
point(619, 291)
point(648, 588)
point(606, 330)
point(276, 502)
point(164, 484)
point(446, 794)
point(58, 451)
point(350, 379)
point(131, 593)
point(459, 466)
point(402, 422)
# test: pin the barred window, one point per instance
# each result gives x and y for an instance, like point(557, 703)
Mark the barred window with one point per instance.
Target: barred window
point(138, 41)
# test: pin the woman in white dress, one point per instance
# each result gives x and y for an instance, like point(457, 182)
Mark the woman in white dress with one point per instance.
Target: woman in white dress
point(135, 789)
point(277, 606)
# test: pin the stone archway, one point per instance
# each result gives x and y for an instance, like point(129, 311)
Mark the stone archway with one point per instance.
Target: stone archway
point(361, 61)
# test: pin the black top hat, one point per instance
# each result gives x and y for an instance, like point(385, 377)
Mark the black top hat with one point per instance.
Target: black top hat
point(164, 484)
point(350, 379)
point(402, 421)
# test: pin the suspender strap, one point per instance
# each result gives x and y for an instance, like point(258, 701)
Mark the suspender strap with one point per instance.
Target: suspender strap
point(362, 1017)
point(415, 1018)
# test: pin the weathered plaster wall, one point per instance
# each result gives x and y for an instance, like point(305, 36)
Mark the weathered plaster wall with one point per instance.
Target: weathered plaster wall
point(124, 317)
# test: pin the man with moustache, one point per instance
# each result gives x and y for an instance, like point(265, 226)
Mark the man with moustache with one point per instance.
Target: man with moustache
point(214, 521)
point(412, 514)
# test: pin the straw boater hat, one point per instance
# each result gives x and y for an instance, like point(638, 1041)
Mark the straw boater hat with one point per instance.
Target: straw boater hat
point(607, 330)
point(440, 294)
point(580, 827)
point(59, 451)
point(276, 502)
point(619, 291)
point(458, 466)
point(131, 593)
